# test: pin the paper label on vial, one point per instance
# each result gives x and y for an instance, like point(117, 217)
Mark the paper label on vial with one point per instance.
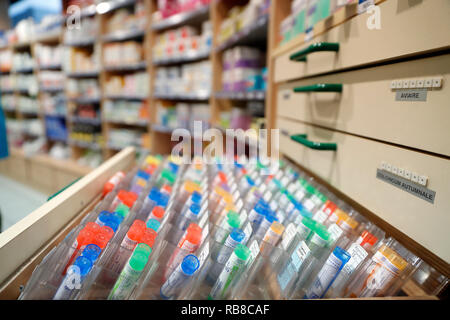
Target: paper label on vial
point(127, 243)
point(254, 250)
point(204, 254)
point(320, 216)
point(335, 231)
point(248, 232)
point(319, 241)
point(357, 255)
point(242, 218)
point(325, 276)
point(309, 204)
point(300, 254)
point(288, 235)
point(382, 273)
point(128, 277)
point(205, 232)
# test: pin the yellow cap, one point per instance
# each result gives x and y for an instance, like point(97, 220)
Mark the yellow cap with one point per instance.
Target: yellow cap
point(393, 257)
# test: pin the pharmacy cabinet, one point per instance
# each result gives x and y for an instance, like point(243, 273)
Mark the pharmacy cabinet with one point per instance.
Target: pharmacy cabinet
point(405, 103)
point(25, 244)
point(369, 172)
point(41, 171)
point(406, 28)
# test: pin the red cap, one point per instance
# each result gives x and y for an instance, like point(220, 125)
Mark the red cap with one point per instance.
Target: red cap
point(194, 236)
point(367, 238)
point(93, 227)
point(149, 237)
point(101, 240)
point(135, 233)
point(107, 231)
point(139, 224)
point(167, 188)
point(222, 177)
point(84, 237)
point(158, 212)
point(129, 199)
point(193, 226)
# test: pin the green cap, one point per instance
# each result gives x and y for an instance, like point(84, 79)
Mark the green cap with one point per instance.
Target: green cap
point(310, 189)
point(169, 176)
point(321, 196)
point(160, 157)
point(122, 210)
point(259, 165)
point(281, 163)
point(303, 182)
point(322, 232)
point(140, 257)
point(290, 197)
point(233, 219)
point(242, 251)
point(309, 223)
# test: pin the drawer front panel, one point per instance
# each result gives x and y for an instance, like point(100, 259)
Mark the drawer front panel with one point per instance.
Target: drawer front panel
point(367, 105)
point(425, 20)
point(353, 169)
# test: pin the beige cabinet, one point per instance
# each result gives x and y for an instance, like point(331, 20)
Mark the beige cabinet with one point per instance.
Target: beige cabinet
point(372, 105)
point(352, 169)
point(406, 28)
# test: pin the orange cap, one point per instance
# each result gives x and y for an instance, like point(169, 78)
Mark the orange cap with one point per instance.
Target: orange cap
point(192, 227)
point(93, 227)
point(139, 224)
point(84, 237)
point(222, 177)
point(149, 237)
point(135, 232)
point(129, 199)
point(107, 231)
point(167, 188)
point(101, 239)
point(194, 236)
point(158, 212)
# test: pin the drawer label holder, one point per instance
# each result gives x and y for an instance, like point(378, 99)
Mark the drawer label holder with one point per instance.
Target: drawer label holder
point(411, 95)
point(408, 186)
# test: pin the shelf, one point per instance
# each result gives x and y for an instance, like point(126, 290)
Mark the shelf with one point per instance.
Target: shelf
point(109, 6)
point(54, 115)
point(82, 74)
point(50, 37)
point(85, 145)
point(23, 70)
point(21, 45)
point(80, 43)
point(184, 59)
point(29, 113)
point(123, 35)
point(255, 33)
point(5, 72)
point(126, 97)
point(92, 121)
point(26, 91)
point(137, 123)
point(8, 109)
point(85, 100)
point(160, 128)
point(132, 67)
point(50, 67)
point(243, 95)
point(183, 18)
point(88, 11)
point(57, 139)
point(51, 89)
point(190, 97)
point(6, 91)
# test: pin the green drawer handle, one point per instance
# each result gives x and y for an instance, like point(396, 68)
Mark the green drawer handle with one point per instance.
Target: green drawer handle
point(320, 87)
point(302, 139)
point(315, 47)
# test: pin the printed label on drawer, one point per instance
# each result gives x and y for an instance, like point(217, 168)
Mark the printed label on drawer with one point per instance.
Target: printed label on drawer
point(411, 95)
point(406, 185)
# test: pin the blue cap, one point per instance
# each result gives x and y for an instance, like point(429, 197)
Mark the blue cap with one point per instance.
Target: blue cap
point(163, 200)
point(305, 213)
point(220, 166)
point(154, 194)
point(190, 264)
point(196, 197)
point(237, 235)
point(250, 181)
point(173, 167)
point(84, 265)
point(270, 216)
point(277, 183)
point(113, 224)
point(238, 165)
point(342, 255)
point(153, 224)
point(260, 208)
point(195, 208)
point(91, 251)
point(142, 174)
point(104, 216)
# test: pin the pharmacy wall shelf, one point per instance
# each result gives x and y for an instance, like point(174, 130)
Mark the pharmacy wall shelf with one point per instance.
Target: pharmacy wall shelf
point(185, 18)
point(318, 96)
point(185, 59)
point(123, 35)
point(63, 212)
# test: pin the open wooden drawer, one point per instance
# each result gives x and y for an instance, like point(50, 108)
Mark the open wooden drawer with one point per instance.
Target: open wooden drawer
point(362, 169)
point(368, 102)
point(357, 44)
point(60, 215)
point(25, 244)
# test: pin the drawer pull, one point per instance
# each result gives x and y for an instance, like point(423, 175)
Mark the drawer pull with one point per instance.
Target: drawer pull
point(302, 139)
point(320, 87)
point(315, 47)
